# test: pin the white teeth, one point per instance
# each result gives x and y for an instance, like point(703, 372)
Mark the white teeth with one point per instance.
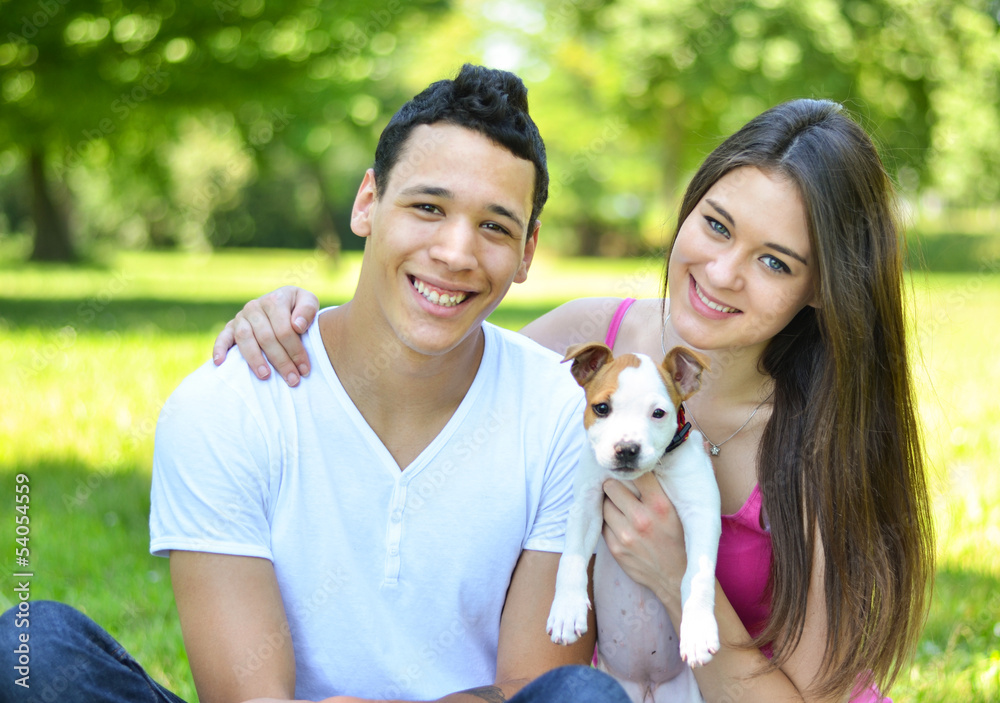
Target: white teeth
point(709, 303)
point(442, 299)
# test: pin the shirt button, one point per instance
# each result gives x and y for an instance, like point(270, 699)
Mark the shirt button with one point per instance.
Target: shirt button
point(397, 515)
point(393, 550)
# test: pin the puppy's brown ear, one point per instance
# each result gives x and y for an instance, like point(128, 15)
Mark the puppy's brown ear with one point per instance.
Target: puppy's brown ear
point(683, 367)
point(587, 359)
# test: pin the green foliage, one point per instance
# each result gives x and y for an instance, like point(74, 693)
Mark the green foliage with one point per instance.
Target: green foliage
point(166, 109)
point(241, 122)
point(630, 95)
point(88, 355)
point(918, 75)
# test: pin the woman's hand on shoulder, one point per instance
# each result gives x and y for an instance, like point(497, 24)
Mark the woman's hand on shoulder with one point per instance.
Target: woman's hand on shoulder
point(271, 325)
point(580, 320)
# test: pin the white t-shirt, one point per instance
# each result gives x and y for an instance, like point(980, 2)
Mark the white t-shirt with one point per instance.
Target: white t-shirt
point(393, 581)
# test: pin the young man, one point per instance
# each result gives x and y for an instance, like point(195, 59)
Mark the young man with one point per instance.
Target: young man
point(389, 529)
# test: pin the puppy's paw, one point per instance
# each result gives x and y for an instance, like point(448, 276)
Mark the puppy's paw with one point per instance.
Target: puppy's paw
point(568, 617)
point(699, 636)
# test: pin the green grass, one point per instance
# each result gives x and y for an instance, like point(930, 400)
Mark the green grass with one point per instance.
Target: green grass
point(89, 354)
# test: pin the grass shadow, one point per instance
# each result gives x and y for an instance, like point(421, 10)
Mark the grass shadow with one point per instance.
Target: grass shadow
point(965, 612)
point(960, 644)
point(171, 316)
point(89, 547)
point(120, 314)
point(957, 253)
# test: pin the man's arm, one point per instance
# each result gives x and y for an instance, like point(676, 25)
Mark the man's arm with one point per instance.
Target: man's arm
point(234, 626)
point(526, 651)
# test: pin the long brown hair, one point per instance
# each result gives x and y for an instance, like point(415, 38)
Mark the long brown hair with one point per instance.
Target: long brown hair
point(841, 457)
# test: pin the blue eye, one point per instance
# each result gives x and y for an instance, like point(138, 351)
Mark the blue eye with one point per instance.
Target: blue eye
point(717, 226)
point(776, 265)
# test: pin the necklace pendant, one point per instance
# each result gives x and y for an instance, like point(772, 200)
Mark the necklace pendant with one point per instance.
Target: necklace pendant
point(715, 449)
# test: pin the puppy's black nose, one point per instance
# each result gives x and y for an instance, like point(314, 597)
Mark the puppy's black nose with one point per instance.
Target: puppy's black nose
point(626, 451)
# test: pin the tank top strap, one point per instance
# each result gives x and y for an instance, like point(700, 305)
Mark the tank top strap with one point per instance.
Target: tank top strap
point(616, 322)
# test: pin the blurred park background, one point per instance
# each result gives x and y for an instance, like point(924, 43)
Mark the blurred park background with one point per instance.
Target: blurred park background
point(161, 163)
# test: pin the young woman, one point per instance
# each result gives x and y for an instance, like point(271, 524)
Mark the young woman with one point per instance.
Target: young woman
point(786, 270)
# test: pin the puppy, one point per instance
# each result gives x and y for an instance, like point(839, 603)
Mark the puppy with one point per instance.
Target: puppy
point(632, 426)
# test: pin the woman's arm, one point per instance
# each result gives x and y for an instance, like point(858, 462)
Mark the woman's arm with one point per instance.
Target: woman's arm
point(272, 325)
point(646, 538)
point(580, 320)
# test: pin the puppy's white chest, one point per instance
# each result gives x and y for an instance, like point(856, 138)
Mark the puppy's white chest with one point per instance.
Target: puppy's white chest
point(636, 639)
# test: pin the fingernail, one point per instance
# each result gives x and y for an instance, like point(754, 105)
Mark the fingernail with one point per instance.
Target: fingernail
point(262, 371)
point(216, 357)
point(300, 322)
point(303, 369)
point(292, 379)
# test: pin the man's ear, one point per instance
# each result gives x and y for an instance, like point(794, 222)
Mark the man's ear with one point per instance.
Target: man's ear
point(364, 202)
point(529, 253)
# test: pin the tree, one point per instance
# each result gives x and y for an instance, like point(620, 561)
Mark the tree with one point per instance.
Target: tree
point(924, 77)
point(126, 75)
point(632, 95)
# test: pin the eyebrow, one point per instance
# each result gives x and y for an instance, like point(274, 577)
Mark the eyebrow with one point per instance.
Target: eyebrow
point(721, 210)
point(787, 252)
point(428, 190)
point(439, 192)
point(777, 247)
point(504, 212)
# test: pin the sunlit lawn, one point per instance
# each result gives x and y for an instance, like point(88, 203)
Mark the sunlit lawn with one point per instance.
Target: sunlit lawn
point(88, 355)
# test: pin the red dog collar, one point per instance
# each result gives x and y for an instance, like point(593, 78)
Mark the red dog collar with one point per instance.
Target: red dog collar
point(683, 430)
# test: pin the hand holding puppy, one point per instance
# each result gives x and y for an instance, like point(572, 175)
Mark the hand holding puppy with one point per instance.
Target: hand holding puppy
point(645, 536)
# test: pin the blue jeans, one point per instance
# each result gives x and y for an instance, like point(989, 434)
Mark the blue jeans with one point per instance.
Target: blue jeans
point(70, 659)
point(572, 684)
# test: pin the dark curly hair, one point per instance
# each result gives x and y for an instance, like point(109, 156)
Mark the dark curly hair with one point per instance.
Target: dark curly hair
point(486, 100)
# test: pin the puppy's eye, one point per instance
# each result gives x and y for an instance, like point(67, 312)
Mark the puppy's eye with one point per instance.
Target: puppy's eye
point(601, 409)
point(658, 413)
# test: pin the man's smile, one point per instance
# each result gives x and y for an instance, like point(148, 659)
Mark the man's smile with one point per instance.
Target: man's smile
point(439, 296)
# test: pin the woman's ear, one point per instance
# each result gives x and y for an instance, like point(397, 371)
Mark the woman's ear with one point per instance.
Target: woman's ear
point(364, 203)
point(816, 301)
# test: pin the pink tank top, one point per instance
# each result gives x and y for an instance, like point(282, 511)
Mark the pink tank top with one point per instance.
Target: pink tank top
point(744, 562)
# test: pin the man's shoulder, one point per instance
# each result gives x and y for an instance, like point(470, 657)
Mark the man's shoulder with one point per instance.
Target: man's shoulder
point(526, 366)
point(222, 394)
point(231, 376)
point(515, 343)
point(519, 354)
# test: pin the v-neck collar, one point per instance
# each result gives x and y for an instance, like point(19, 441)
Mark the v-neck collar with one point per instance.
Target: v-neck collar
point(313, 341)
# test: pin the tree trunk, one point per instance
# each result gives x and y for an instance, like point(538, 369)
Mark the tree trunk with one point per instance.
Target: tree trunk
point(327, 236)
point(673, 146)
point(588, 238)
point(51, 231)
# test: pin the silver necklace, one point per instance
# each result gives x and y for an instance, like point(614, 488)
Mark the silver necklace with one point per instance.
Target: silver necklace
point(716, 448)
